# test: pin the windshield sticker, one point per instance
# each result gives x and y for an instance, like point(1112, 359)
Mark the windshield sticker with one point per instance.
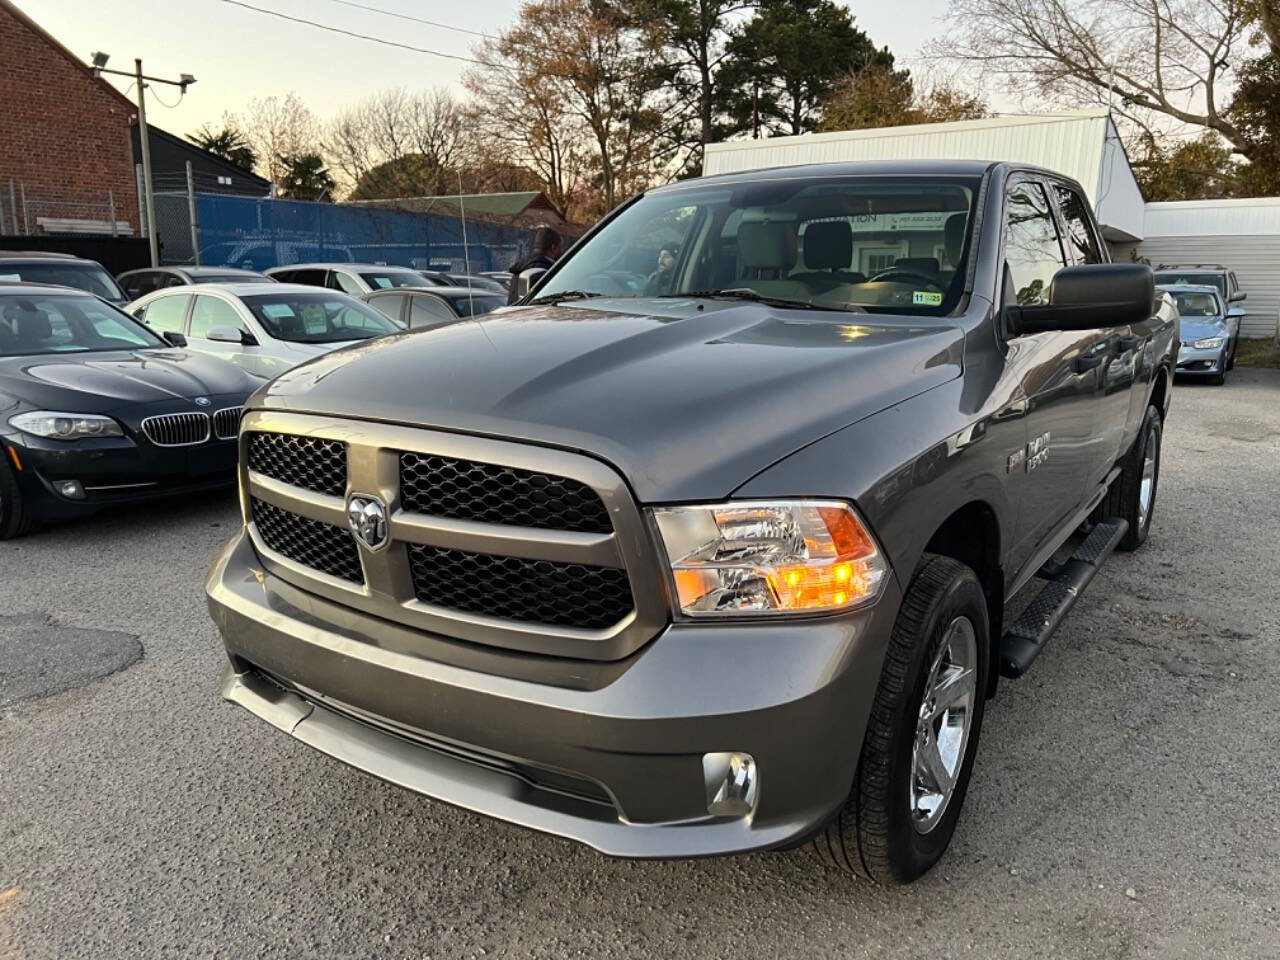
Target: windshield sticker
point(314, 320)
point(14, 277)
point(277, 310)
point(925, 298)
point(382, 282)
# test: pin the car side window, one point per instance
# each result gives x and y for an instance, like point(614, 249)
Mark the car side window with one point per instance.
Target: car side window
point(1031, 247)
point(210, 312)
point(172, 280)
point(427, 311)
point(340, 281)
point(139, 283)
point(389, 306)
point(312, 278)
point(1081, 240)
point(167, 314)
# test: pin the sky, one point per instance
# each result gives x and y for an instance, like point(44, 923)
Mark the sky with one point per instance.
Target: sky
point(237, 54)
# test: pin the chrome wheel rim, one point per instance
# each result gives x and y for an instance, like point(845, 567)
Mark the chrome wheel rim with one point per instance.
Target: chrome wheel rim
point(1147, 489)
point(943, 723)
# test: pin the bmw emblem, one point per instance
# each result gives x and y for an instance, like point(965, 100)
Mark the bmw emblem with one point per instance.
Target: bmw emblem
point(202, 401)
point(368, 519)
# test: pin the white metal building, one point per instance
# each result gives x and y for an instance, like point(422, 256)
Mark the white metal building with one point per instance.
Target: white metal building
point(1082, 144)
point(1241, 234)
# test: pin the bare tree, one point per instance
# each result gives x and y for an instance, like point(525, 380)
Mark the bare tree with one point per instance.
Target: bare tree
point(1170, 59)
point(276, 129)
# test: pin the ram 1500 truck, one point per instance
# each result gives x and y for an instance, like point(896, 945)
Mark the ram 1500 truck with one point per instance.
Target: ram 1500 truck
point(706, 546)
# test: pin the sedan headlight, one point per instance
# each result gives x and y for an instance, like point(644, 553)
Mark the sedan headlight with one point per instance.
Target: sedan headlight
point(760, 557)
point(1209, 343)
point(65, 426)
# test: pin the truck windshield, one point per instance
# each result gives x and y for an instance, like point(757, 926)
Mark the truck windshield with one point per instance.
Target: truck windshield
point(879, 244)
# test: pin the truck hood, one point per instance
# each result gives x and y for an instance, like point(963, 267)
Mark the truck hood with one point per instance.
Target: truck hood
point(687, 399)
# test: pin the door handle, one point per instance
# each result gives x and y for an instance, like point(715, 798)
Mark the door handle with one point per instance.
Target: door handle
point(1086, 362)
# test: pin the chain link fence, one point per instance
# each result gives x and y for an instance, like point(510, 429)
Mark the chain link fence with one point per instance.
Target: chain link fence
point(31, 211)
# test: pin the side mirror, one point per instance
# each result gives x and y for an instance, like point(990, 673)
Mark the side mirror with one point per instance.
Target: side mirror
point(231, 335)
point(174, 338)
point(1087, 297)
point(1236, 312)
point(527, 280)
point(1237, 296)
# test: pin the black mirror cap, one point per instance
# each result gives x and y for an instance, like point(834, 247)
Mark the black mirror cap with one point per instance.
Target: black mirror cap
point(1237, 296)
point(1091, 296)
point(175, 338)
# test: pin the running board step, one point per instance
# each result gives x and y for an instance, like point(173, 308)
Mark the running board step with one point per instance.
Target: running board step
point(1036, 624)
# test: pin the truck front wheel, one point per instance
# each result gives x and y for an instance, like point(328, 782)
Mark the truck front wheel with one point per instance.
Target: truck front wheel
point(918, 751)
point(1133, 493)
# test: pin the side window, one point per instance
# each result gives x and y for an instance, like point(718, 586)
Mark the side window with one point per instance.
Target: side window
point(427, 311)
point(389, 306)
point(312, 278)
point(139, 283)
point(1080, 237)
point(1031, 246)
point(1233, 286)
point(210, 312)
point(285, 276)
point(340, 281)
point(167, 313)
point(171, 280)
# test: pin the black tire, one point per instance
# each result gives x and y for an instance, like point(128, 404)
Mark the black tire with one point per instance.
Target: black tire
point(875, 835)
point(1231, 356)
point(1124, 499)
point(15, 515)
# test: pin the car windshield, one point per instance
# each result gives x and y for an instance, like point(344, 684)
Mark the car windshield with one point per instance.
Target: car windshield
point(879, 244)
point(83, 276)
point(67, 324)
point(230, 278)
point(1196, 303)
point(477, 304)
point(1175, 278)
point(385, 279)
point(317, 317)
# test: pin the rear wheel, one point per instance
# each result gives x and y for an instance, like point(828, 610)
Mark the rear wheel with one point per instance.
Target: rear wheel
point(1133, 494)
point(918, 751)
point(15, 515)
point(1231, 356)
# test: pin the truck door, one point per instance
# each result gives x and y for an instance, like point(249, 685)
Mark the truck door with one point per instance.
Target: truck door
point(1049, 478)
point(1116, 349)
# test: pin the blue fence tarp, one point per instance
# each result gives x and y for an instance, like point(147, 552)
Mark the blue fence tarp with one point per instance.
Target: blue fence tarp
point(262, 233)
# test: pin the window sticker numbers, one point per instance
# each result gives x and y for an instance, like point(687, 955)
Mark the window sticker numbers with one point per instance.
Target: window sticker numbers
point(926, 298)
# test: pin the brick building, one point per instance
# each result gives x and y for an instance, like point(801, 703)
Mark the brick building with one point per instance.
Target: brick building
point(64, 137)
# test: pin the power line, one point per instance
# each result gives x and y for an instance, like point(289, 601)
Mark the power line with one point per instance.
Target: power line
point(405, 16)
point(358, 36)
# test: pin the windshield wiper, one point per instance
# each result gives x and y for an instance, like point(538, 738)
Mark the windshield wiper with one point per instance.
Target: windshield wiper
point(746, 293)
point(566, 295)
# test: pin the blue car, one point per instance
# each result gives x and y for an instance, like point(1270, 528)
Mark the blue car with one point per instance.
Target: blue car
point(1208, 342)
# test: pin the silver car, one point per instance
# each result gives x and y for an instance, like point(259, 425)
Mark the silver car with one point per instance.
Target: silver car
point(1209, 331)
point(356, 279)
point(263, 328)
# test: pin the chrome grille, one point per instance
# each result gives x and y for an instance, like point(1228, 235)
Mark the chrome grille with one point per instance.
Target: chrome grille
point(226, 422)
point(312, 543)
point(177, 429)
point(308, 462)
point(489, 493)
point(536, 576)
point(515, 588)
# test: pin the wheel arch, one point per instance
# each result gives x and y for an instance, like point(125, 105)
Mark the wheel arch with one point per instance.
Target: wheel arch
point(1160, 390)
point(971, 535)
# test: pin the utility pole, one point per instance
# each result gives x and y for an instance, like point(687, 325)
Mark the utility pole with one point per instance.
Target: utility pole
point(146, 165)
point(99, 68)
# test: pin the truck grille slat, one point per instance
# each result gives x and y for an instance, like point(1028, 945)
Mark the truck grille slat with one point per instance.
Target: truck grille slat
point(514, 588)
point(177, 429)
point(308, 462)
point(312, 543)
point(489, 493)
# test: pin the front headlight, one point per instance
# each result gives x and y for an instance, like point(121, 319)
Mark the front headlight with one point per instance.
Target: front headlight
point(1209, 343)
point(778, 556)
point(65, 426)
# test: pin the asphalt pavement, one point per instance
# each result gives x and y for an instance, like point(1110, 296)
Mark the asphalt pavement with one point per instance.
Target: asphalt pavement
point(1123, 803)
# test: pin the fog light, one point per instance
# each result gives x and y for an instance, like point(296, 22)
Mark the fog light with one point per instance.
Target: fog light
point(70, 489)
point(732, 783)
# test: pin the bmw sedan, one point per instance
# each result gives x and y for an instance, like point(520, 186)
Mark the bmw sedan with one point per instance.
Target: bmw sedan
point(1208, 334)
point(263, 328)
point(97, 410)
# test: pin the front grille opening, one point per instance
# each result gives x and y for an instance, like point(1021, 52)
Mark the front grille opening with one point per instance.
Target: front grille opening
point(515, 588)
point(488, 493)
point(226, 422)
point(321, 546)
point(308, 462)
point(177, 429)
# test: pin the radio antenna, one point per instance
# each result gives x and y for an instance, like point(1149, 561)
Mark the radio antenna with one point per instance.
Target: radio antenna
point(466, 249)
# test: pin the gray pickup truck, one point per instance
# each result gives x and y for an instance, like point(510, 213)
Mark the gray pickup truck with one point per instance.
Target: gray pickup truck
point(720, 540)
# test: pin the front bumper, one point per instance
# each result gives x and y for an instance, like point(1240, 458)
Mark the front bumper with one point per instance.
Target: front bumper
point(113, 470)
point(605, 753)
point(1193, 362)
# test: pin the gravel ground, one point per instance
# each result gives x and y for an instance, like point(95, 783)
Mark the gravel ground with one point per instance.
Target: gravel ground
point(1120, 808)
